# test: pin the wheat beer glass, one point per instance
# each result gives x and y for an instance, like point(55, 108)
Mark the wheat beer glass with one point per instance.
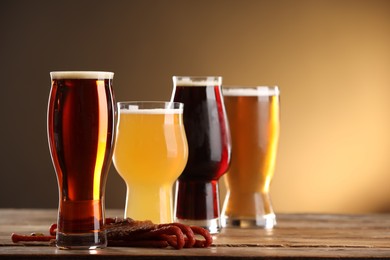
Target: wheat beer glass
point(254, 124)
point(81, 124)
point(150, 153)
point(205, 122)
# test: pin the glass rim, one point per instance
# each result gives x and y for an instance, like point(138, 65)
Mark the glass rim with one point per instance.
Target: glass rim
point(250, 90)
point(139, 106)
point(81, 74)
point(197, 80)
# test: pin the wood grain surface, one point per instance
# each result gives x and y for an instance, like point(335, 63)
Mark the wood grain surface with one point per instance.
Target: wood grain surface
point(297, 236)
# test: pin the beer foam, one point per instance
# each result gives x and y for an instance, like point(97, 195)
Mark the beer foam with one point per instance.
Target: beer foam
point(188, 81)
point(251, 91)
point(81, 75)
point(150, 111)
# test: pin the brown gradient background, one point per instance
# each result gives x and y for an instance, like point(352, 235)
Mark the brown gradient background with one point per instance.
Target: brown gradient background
point(331, 60)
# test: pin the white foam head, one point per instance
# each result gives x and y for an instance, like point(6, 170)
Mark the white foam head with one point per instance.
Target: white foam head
point(197, 81)
point(81, 75)
point(150, 111)
point(251, 91)
point(150, 107)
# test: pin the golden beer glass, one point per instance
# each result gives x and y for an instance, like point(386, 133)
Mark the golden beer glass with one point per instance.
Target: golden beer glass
point(253, 114)
point(150, 153)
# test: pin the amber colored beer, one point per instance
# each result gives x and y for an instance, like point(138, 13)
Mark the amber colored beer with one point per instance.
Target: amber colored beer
point(254, 124)
point(81, 125)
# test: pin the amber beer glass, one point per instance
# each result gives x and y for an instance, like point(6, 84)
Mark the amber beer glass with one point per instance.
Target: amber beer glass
point(81, 127)
point(206, 126)
point(254, 124)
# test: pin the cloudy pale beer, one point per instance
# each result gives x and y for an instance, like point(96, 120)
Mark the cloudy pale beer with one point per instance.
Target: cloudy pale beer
point(150, 153)
point(254, 124)
point(81, 129)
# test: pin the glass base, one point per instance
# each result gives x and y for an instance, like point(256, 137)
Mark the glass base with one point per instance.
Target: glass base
point(212, 225)
point(82, 241)
point(266, 221)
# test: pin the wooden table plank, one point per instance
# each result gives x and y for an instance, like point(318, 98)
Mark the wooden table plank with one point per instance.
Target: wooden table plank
point(297, 236)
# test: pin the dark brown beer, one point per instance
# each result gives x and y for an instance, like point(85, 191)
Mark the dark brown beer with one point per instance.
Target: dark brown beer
point(209, 153)
point(81, 118)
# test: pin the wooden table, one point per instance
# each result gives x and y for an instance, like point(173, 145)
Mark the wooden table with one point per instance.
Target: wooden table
point(296, 236)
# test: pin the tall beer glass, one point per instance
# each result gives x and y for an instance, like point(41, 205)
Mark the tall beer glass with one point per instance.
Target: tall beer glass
point(254, 123)
point(150, 153)
point(81, 124)
point(205, 122)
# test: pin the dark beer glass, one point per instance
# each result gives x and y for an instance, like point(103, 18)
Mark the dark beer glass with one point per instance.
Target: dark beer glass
point(206, 126)
point(81, 127)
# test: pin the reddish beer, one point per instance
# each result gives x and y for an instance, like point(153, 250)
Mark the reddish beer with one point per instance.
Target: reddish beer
point(204, 116)
point(81, 125)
